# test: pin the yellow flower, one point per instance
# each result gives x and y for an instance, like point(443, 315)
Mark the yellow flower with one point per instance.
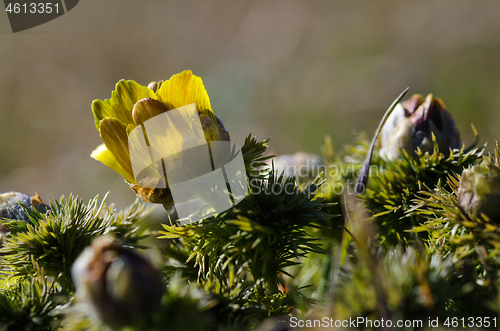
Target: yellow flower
point(132, 104)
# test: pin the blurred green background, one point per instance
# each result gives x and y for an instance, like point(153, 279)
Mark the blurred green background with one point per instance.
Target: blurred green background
point(293, 70)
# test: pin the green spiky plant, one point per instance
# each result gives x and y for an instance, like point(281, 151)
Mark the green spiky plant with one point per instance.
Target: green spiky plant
point(471, 240)
point(393, 186)
point(245, 250)
point(395, 209)
point(281, 252)
point(57, 238)
point(416, 286)
point(390, 194)
point(237, 259)
point(454, 231)
point(27, 302)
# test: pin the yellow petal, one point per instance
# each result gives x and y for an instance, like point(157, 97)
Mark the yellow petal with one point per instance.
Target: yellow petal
point(102, 154)
point(114, 136)
point(184, 89)
point(123, 98)
point(101, 109)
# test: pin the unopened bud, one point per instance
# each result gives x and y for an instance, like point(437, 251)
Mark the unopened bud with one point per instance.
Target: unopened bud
point(11, 209)
point(479, 191)
point(301, 165)
point(155, 85)
point(412, 124)
point(118, 286)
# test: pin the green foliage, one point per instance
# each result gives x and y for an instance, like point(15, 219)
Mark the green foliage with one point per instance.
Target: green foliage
point(406, 197)
point(242, 306)
point(411, 284)
point(454, 232)
point(57, 238)
point(341, 174)
point(393, 185)
point(389, 195)
point(241, 254)
point(183, 306)
point(473, 242)
point(27, 303)
point(124, 224)
point(224, 273)
point(265, 233)
point(253, 156)
point(253, 262)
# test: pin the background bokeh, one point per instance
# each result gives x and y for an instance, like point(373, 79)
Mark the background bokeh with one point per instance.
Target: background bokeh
point(293, 70)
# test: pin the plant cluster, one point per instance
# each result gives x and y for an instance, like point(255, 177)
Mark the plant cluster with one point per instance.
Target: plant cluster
point(418, 239)
point(227, 272)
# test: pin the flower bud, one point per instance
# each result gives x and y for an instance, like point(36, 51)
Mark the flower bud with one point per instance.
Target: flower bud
point(11, 209)
point(301, 165)
point(117, 285)
point(412, 124)
point(155, 85)
point(479, 191)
